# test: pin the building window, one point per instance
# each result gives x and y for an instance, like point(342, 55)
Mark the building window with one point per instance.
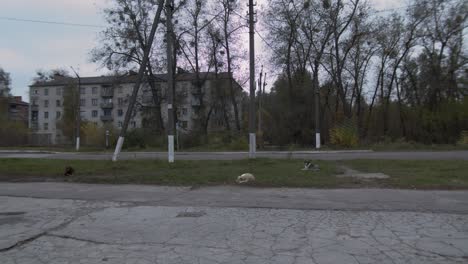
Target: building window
point(34, 115)
point(46, 115)
point(107, 112)
point(120, 112)
point(184, 111)
point(120, 101)
point(83, 115)
point(94, 101)
point(119, 124)
point(36, 91)
point(46, 126)
point(133, 124)
point(46, 103)
point(59, 91)
point(57, 102)
point(82, 102)
point(120, 90)
point(59, 114)
point(34, 102)
point(83, 90)
point(184, 89)
point(94, 90)
point(95, 113)
point(184, 124)
point(46, 91)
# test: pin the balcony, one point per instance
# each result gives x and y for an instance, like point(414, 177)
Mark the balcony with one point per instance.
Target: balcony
point(105, 118)
point(34, 125)
point(107, 105)
point(196, 102)
point(107, 92)
point(34, 107)
point(196, 91)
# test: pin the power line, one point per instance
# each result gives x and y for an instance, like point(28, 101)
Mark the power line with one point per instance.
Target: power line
point(50, 22)
point(266, 42)
point(402, 7)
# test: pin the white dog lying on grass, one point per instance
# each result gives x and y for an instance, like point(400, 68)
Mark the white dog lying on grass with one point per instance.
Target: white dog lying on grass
point(245, 178)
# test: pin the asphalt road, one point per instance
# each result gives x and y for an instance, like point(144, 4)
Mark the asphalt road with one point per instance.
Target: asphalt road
point(249, 197)
point(313, 155)
point(79, 223)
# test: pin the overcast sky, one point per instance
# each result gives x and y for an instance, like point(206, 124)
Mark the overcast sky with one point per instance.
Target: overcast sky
point(26, 46)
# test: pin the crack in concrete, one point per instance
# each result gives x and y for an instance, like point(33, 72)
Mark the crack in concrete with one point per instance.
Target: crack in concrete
point(22, 242)
point(55, 228)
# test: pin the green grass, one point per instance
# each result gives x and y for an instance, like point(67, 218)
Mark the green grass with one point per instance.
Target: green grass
point(419, 174)
point(268, 172)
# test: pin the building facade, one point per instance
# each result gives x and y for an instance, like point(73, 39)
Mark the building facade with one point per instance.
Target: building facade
point(18, 110)
point(104, 101)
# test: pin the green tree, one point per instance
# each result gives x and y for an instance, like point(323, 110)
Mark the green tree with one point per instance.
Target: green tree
point(67, 124)
point(5, 82)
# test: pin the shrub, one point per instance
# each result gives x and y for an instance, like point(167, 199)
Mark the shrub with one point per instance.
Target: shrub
point(13, 133)
point(463, 138)
point(344, 134)
point(95, 136)
point(135, 139)
point(238, 143)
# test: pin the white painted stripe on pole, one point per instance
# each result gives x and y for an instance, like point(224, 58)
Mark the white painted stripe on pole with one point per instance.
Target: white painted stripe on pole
point(77, 143)
point(171, 148)
point(120, 142)
point(252, 145)
point(317, 140)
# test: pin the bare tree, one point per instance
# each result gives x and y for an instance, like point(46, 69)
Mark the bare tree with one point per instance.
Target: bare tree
point(5, 82)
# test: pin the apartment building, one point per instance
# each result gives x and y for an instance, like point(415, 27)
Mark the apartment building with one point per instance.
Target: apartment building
point(17, 109)
point(104, 101)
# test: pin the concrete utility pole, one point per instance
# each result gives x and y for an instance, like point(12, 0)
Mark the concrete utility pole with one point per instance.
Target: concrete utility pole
point(260, 132)
point(78, 109)
point(252, 112)
point(317, 116)
point(170, 81)
point(141, 72)
point(261, 107)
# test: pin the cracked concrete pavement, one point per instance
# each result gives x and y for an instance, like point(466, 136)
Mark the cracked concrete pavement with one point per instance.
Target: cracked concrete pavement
point(138, 227)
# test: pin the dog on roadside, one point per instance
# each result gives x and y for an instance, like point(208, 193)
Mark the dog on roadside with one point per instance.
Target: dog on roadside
point(245, 178)
point(69, 171)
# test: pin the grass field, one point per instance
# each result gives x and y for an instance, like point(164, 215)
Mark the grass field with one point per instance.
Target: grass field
point(419, 174)
point(268, 173)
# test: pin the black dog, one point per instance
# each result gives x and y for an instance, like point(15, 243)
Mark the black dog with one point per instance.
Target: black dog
point(69, 171)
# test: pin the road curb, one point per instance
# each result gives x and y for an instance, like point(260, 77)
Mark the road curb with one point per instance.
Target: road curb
point(27, 152)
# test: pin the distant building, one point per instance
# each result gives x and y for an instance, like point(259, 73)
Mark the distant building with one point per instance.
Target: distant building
point(18, 110)
point(104, 101)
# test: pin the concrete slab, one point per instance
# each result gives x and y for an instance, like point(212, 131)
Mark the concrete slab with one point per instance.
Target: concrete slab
point(348, 172)
point(130, 233)
point(26, 218)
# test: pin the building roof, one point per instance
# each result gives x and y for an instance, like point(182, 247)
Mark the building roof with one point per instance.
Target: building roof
point(17, 100)
point(129, 78)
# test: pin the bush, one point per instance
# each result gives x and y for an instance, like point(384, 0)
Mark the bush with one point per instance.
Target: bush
point(13, 133)
point(135, 139)
point(95, 136)
point(141, 138)
point(463, 138)
point(238, 143)
point(213, 141)
point(344, 135)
